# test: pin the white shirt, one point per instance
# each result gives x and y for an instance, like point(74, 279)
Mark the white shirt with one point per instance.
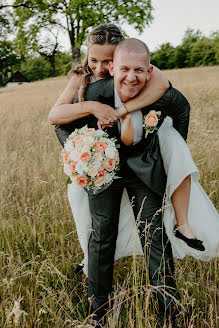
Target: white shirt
point(136, 117)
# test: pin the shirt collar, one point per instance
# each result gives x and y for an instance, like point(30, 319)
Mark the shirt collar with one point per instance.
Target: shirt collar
point(118, 102)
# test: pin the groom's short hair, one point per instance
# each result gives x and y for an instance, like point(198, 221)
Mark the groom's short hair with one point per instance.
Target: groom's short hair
point(133, 45)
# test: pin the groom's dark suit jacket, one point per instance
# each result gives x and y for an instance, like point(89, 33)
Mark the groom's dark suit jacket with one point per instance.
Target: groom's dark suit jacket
point(144, 158)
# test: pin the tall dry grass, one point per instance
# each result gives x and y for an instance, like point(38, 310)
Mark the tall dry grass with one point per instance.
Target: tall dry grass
point(39, 248)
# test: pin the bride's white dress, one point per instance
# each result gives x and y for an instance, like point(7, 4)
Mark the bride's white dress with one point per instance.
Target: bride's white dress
point(203, 217)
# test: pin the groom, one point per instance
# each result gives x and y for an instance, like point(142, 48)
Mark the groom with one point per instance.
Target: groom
point(141, 172)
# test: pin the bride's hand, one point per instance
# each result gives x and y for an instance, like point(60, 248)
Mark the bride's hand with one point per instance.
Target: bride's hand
point(105, 114)
point(103, 126)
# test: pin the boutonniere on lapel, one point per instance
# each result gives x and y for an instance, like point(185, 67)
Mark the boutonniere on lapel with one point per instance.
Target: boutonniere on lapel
point(151, 121)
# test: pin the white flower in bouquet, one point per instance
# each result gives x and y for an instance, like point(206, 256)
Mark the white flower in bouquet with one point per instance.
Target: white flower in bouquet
point(85, 148)
point(81, 168)
point(108, 141)
point(83, 129)
point(74, 155)
point(108, 178)
point(69, 146)
point(67, 169)
point(89, 141)
point(100, 133)
point(111, 152)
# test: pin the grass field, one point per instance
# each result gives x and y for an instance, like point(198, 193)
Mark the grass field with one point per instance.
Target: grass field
point(38, 243)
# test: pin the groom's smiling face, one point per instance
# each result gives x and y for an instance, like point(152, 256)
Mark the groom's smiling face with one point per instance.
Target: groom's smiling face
point(131, 70)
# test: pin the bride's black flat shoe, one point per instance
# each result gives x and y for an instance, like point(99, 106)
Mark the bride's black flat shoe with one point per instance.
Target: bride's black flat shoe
point(79, 269)
point(191, 242)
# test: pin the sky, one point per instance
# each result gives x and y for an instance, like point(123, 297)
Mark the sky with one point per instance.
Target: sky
point(173, 17)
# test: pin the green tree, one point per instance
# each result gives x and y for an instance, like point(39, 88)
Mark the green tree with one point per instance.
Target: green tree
point(195, 50)
point(36, 68)
point(49, 49)
point(190, 37)
point(164, 56)
point(9, 59)
point(180, 56)
point(63, 63)
point(75, 17)
point(203, 53)
point(5, 23)
point(4, 26)
point(215, 37)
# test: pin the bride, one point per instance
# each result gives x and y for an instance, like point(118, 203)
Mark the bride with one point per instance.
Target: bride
point(190, 219)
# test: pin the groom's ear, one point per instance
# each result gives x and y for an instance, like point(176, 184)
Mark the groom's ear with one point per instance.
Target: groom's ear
point(111, 69)
point(149, 71)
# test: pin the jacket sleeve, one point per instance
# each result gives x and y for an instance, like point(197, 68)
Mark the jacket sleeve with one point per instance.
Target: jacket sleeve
point(63, 131)
point(179, 110)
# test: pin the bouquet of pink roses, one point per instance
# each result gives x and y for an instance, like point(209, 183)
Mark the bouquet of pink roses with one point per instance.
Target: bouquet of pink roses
point(90, 158)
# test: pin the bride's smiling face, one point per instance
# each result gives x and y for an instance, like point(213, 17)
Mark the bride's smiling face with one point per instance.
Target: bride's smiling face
point(99, 56)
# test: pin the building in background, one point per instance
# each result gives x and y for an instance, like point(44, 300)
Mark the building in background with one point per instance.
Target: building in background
point(16, 79)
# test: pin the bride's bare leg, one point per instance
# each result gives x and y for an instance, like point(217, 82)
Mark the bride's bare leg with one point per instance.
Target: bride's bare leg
point(180, 200)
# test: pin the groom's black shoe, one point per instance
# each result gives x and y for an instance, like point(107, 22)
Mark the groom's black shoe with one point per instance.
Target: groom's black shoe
point(95, 324)
point(191, 242)
point(98, 322)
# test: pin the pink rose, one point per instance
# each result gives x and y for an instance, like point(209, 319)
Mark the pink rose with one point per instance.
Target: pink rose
point(65, 157)
point(151, 119)
point(98, 157)
point(77, 138)
point(82, 181)
point(73, 164)
point(85, 156)
point(100, 146)
point(117, 157)
point(89, 131)
point(101, 173)
point(99, 182)
point(93, 171)
point(78, 146)
point(109, 164)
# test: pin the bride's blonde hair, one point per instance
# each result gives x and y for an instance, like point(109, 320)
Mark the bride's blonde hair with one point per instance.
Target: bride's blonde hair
point(102, 34)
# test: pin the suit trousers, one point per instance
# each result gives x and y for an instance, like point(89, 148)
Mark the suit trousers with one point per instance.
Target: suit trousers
point(105, 208)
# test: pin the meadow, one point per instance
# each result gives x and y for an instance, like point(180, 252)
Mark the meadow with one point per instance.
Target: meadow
point(39, 250)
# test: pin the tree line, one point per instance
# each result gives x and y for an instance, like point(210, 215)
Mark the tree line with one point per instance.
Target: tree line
point(30, 42)
point(36, 25)
point(194, 50)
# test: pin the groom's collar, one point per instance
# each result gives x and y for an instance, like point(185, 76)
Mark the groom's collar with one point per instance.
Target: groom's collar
point(118, 102)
